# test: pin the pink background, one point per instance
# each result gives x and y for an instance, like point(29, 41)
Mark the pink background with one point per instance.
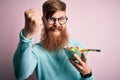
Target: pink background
point(94, 22)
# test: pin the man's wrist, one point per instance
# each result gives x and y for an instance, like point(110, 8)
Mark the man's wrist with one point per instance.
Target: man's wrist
point(27, 35)
point(87, 75)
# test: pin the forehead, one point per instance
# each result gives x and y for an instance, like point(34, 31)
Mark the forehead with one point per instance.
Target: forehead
point(59, 14)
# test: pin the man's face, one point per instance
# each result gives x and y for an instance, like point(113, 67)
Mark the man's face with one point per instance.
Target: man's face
point(57, 23)
point(55, 34)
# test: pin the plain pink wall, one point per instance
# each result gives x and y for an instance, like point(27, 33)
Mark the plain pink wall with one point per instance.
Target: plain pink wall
point(94, 22)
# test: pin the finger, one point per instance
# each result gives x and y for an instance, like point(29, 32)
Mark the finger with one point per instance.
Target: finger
point(29, 15)
point(31, 10)
point(84, 57)
point(73, 62)
point(35, 18)
point(76, 65)
point(78, 58)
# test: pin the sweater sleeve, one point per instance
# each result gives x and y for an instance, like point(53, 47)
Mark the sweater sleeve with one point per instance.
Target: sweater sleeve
point(24, 59)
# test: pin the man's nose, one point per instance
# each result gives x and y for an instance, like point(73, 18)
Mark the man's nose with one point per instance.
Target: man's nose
point(56, 23)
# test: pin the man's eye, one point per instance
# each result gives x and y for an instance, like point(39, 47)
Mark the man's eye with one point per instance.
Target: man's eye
point(62, 18)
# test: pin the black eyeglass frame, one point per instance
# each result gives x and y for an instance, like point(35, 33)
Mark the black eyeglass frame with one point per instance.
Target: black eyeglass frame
point(54, 20)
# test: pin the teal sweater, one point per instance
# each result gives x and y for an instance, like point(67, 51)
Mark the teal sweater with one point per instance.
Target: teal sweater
point(48, 65)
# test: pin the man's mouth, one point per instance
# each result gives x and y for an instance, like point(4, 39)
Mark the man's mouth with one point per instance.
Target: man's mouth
point(59, 28)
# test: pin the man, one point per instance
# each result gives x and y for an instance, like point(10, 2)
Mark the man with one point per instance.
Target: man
point(48, 57)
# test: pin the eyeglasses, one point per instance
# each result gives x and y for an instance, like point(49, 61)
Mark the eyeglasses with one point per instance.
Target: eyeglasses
point(61, 20)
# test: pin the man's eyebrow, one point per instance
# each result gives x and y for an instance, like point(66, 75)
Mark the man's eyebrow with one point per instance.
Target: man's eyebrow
point(59, 17)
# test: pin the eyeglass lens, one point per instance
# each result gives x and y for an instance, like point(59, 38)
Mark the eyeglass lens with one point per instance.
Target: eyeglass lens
point(61, 20)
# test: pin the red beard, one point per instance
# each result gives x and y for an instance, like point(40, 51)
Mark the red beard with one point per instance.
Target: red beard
point(51, 42)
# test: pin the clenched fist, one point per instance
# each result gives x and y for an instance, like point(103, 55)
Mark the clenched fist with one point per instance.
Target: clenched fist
point(33, 20)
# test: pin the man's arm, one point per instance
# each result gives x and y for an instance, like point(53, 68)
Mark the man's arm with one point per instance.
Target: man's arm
point(24, 60)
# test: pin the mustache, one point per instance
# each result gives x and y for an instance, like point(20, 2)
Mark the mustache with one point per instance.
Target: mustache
point(59, 28)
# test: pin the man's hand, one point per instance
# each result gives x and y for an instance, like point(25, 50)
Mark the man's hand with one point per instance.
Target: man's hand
point(33, 21)
point(81, 65)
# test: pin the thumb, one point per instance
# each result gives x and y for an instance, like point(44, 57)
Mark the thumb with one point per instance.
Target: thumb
point(84, 57)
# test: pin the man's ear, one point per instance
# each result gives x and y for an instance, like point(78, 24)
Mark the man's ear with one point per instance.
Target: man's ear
point(43, 18)
point(45, 23)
